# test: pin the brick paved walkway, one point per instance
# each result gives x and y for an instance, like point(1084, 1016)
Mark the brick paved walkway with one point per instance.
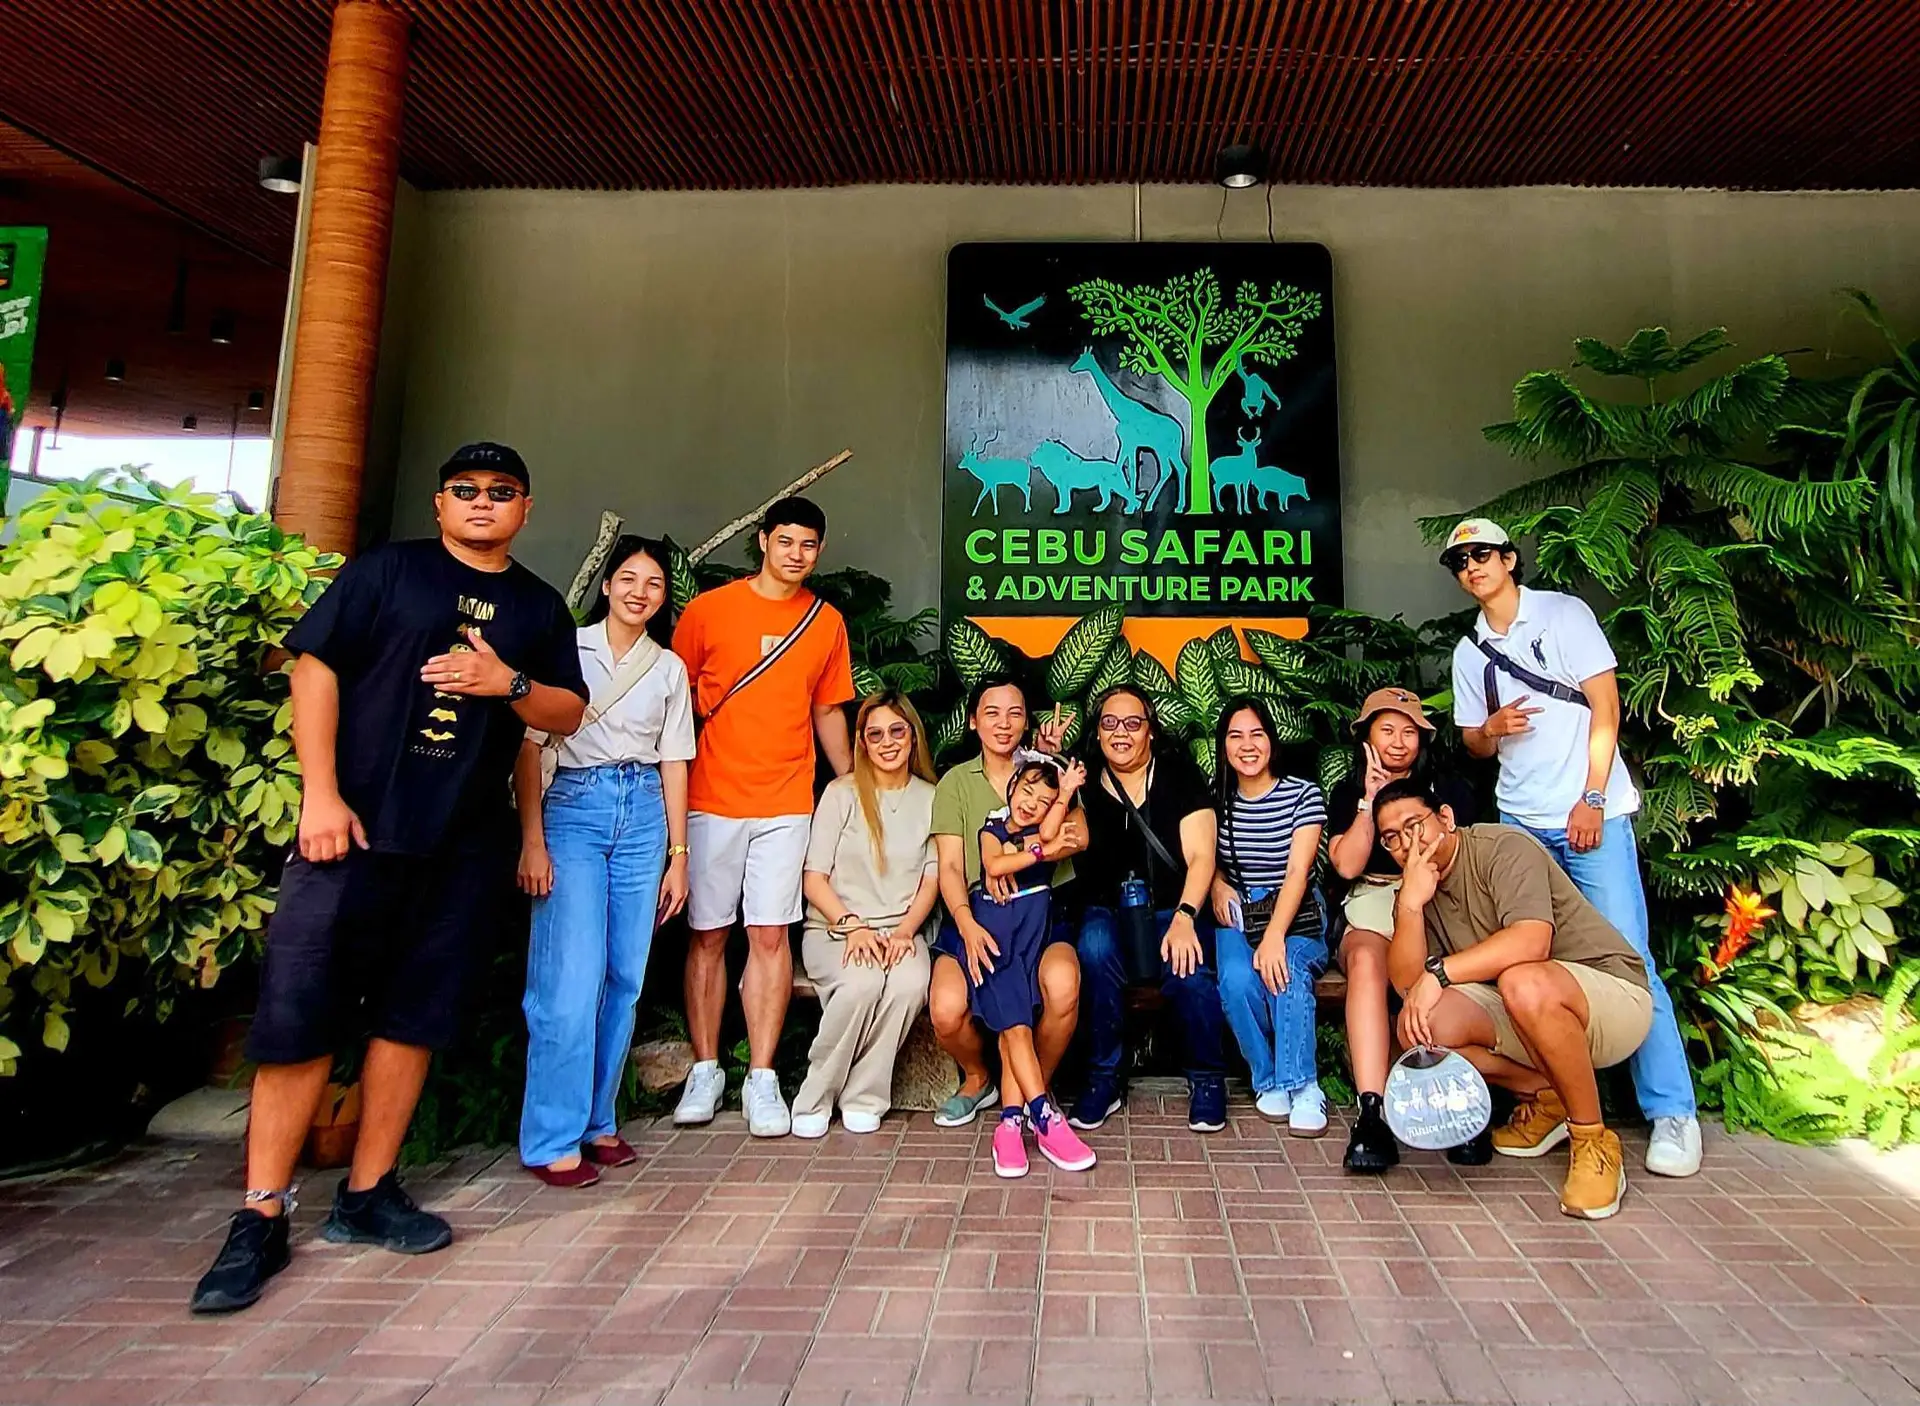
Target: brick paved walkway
point(1242, 1267)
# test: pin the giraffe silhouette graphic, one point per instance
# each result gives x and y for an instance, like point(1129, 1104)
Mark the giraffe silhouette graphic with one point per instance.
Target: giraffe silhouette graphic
point(1140, 427)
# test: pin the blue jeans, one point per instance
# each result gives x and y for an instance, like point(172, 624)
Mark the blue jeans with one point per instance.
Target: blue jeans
point(607, 834)
point(1103, 982)
point(1609, 876)
point(1275, 1031)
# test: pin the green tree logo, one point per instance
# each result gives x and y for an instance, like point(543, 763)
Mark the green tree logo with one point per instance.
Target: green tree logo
point(1171, 331)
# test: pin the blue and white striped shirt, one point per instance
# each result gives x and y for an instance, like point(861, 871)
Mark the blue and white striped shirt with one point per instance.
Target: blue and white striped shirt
point(1256, 837)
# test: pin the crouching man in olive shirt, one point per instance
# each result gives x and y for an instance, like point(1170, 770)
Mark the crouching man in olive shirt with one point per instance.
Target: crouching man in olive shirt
point(1500, 957)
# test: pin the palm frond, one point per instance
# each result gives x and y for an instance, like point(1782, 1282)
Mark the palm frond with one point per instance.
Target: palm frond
point(1729, 408)
point(1568, 488)
point(1553, 415)
point(1649, 353)
point(1694, 589)
point(1602, 537)
point(1772, 503)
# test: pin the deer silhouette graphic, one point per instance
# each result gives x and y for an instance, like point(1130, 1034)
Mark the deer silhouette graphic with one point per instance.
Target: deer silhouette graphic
point(1256, 393)
point(1141, 427)
point(996, 473)
point(1069, 473)
point(1245, 474)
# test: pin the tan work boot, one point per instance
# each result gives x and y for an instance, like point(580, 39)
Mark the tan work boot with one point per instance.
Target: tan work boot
point(1596, 1173)
point(1538, 1125)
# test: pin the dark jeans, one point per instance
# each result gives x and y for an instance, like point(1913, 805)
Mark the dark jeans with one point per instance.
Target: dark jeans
point(1195, 1000)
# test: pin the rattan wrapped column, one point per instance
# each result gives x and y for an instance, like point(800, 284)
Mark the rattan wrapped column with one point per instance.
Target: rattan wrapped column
point(336, 343)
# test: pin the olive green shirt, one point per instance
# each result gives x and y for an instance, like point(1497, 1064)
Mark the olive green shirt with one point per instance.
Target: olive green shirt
point(1502, 876)
point(961, 804)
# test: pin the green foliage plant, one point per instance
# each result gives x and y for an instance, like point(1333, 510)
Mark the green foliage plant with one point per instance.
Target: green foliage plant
point(147, 780)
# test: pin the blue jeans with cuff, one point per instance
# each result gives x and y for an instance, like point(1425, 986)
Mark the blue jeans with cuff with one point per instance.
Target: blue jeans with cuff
point(1275, 1030)
point(1609, 876)
point(606, 832)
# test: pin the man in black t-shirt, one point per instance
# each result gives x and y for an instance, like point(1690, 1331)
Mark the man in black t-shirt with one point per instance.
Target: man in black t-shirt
point(419, 672)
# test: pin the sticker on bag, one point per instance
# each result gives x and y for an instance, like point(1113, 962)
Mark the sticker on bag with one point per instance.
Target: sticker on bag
point(1436, 1100)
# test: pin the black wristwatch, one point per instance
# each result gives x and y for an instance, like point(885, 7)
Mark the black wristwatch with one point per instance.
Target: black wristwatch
point(519, 688)
point(1193, 914)
point(1437, 968)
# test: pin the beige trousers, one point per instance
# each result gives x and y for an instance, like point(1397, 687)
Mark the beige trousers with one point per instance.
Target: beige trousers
point(865, 1014)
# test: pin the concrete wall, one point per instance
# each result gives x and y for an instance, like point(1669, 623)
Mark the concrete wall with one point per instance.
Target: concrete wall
point(678, 357)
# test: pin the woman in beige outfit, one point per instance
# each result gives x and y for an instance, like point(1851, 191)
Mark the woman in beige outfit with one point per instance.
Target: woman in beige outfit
point(871, 881)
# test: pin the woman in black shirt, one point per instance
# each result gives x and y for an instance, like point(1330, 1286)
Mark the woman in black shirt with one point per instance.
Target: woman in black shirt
point(1149, 857)
point(1394, 732)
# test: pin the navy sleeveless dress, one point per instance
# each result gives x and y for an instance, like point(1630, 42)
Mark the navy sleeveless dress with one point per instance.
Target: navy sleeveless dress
point(1010, 995)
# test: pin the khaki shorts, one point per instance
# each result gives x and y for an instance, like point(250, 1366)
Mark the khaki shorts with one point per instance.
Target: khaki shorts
point(1619, 1014)
point(1369, 905)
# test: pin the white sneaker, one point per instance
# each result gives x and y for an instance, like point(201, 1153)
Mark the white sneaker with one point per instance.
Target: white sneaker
point(1275, 1104)
point(766, 1110)
point(706, 1086)
point(811, 1125)
point(854, 1121)
point(1309, 1116)
point(1674, 1149)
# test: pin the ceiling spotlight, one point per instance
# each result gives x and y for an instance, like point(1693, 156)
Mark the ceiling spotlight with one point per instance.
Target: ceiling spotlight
point(222, 330)
point(189, 423)
point(116, 369)
point(281, 174)
point(256, 402)
point(1239, 166)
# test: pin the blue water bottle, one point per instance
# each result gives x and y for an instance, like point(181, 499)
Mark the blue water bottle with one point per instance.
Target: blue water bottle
point(1139, 943)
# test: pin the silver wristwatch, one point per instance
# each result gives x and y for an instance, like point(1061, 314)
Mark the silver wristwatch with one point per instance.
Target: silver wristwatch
point(1596, 799)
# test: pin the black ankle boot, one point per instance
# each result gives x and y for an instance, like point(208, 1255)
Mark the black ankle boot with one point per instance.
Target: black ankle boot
point(1370, 1148)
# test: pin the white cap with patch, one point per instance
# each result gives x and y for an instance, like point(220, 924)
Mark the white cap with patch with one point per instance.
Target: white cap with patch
point(1476, 531)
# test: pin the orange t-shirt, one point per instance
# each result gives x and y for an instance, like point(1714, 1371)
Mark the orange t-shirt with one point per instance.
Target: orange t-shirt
point(755, 759)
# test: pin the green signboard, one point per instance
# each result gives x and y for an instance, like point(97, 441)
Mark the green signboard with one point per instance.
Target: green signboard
point(23, 255)
point(1148, 424)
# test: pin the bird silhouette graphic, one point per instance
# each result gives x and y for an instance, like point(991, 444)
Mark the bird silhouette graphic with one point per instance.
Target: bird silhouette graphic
point(443, 715)
point(433, 736)
point(1017, 319)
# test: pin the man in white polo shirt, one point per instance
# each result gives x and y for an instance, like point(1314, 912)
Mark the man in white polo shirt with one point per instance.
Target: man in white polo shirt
point(1535, 687)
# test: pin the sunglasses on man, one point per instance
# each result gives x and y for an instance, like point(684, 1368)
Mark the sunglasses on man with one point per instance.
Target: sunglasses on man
point(1457, 559)
point(496, 492)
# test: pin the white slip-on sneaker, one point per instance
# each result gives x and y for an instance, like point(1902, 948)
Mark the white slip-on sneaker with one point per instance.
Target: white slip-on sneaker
point(1274, 1105)
point(811, 1125)
point(766, 1110)
point(706, 1086)
point(1309, 1116)
point(1674, 1148)
point(854, 1121)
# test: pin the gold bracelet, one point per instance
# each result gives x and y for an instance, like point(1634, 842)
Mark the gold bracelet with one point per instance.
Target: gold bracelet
point(675, 851)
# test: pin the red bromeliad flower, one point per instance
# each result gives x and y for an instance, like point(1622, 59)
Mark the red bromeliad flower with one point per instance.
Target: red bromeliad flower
point(1746, 912)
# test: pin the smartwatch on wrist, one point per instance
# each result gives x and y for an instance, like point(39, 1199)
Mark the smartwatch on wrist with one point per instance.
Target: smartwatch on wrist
point(519, 688)
point(1192, 913)
point(1363, 806)
point(1437, 969)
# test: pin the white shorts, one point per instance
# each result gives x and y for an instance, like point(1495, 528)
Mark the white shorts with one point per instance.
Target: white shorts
point(747, 868)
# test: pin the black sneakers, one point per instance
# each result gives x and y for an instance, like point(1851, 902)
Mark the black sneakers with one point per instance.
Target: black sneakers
point(386, 1216)
point(1371, 1148)
point(255, 1251)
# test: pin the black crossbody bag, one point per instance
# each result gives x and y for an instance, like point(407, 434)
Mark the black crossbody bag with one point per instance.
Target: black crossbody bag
point(1139, 943)
point(1498, 663)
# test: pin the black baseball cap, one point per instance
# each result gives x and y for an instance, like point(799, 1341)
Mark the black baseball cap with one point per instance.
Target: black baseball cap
point(485, 454)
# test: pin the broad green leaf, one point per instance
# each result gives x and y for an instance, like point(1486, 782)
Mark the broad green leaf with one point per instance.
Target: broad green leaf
point(111, 846)
point(1193, 672)
point(1081, 651)
point(150, 716)
point(53, 1031)
point(154, 799)
point(973, 652)
point(143, 850)
point(1115, 669)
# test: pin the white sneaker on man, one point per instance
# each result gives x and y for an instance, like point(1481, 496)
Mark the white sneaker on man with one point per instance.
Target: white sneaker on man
point(766, 1110)
point(1674, 1148)
point(706, 1086)
point(1308, 1117)
point(811, 1125)
point(856, 1120)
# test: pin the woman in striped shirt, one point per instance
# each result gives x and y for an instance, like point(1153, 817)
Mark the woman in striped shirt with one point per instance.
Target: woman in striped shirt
point(1269, 838)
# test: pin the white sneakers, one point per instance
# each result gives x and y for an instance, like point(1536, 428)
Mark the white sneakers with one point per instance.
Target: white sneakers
point(1308, 1117)
point(706, 1086)
point(855, 1121)
point(766, 1110)
point(1674, 1148)
point(1274, 1104)
point(811, 1125)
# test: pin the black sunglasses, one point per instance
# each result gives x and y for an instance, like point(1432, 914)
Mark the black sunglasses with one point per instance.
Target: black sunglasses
point(496, 492)
point(1456, 560)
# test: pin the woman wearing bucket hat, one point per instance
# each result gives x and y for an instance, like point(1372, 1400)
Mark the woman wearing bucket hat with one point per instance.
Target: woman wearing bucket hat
point(1393, 737)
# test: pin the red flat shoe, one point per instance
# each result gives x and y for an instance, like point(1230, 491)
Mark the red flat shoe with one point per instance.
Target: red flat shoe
point(582, 1175)
point(614, 1154)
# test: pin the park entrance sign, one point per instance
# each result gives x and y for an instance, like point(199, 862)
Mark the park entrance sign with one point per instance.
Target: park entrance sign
point(1149, 424)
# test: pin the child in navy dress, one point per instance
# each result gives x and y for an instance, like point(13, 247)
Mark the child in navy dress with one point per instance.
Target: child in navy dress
point(1014, 846)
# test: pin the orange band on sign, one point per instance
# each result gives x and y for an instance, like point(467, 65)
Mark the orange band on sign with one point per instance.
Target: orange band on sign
point(1161, 636)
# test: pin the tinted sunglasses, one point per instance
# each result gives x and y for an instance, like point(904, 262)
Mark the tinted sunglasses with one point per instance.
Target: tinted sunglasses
point(496, 492)
point(898, 732)
point(1480, 553)
point(1110, 723)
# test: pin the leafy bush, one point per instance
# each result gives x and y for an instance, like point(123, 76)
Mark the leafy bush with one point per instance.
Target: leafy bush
point(147, 781)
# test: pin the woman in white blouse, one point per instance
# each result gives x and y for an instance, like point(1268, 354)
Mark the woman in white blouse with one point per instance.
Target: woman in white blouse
point(604, 854)
point(870, 881)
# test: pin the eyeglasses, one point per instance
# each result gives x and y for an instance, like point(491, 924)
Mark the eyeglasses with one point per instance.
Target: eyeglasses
point(1133, 724)
point(1456, 560)
point(896, 732)
point(496, 492)
point(1405, 835)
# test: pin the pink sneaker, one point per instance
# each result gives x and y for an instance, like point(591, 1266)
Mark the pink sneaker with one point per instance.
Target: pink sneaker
point(1062, 1146)
point(1009, 1149)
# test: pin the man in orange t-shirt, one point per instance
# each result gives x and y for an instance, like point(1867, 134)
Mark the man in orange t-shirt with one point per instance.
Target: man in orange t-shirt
point(750, 796)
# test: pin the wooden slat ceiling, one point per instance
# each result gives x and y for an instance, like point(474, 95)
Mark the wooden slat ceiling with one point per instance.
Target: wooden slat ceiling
point(181, 97)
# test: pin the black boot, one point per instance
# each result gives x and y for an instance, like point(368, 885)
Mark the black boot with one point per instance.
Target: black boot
point(1476, 1151)
point(386, 1216)
point(1370, 1147)
point(255, 1251)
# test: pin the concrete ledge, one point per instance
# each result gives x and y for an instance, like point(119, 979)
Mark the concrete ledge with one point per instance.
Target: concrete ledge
point(205, 1115)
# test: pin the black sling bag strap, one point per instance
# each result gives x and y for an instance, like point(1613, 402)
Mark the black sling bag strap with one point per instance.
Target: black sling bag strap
point(1500, 663)
point(772, 656)
point(1156, 849)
